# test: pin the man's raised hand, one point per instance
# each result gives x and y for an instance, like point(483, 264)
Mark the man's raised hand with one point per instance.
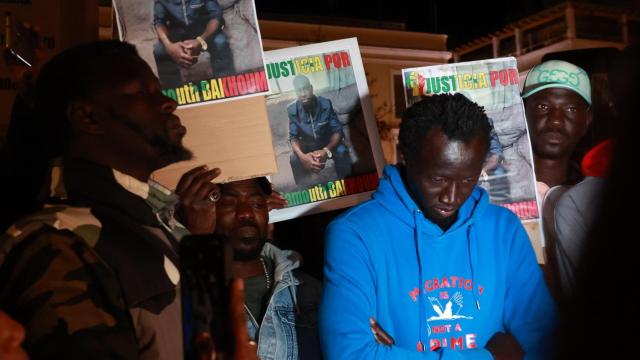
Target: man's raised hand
point(198, 196)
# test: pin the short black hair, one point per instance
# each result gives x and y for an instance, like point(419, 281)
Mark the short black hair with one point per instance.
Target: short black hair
point(72, 74)
point(456, 116)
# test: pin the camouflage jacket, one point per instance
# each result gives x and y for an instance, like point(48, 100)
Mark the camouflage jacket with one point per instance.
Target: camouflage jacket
point(96, 275)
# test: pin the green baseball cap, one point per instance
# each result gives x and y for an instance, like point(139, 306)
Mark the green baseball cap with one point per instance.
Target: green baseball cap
point(557, 74)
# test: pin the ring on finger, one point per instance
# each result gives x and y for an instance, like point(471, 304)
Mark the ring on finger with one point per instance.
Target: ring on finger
point(214, 196)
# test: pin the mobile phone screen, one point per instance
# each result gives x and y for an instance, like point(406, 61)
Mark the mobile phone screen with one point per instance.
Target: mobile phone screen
point(205, 267)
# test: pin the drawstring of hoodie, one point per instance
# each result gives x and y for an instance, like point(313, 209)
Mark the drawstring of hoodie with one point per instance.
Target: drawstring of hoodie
point(417, 219)
point(472, 254)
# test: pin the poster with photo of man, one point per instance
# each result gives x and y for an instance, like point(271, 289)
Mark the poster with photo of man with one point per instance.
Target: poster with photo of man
point(494, 84)
point(323, 128)
point(201, 50)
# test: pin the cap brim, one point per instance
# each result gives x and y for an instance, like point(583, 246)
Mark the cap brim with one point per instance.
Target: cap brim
point(263, 183)
point(539, 87)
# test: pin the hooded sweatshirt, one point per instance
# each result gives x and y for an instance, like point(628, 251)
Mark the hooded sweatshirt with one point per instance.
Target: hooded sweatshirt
point(439, 294)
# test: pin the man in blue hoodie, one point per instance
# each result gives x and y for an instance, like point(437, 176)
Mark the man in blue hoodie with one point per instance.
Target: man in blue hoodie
point(445, 273)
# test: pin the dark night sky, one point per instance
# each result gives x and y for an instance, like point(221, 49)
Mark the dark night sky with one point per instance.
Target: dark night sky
point(461, 20)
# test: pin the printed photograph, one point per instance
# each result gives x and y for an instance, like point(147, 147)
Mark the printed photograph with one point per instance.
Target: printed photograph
point(323, 130)
point(201, 50)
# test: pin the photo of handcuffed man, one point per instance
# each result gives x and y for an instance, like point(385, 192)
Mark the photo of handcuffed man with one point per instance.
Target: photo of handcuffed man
point(186, 29)
point(315, 133)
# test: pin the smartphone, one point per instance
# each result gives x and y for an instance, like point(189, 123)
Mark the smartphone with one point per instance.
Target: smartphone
point(17, 40)
point(205, 263)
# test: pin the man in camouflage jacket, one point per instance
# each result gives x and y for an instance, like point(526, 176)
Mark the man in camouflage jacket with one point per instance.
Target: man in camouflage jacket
point(95, 274)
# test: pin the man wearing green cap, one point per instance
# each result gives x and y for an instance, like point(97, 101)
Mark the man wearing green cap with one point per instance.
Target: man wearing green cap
point(315, 133)
point(557, 99)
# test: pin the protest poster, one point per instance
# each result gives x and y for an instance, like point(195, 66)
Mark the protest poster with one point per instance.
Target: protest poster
point(223, 39)
point(507, 174)
point(323, 128)
point(202, 51)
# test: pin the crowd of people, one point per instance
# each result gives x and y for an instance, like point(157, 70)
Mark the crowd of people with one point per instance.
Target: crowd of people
point(91, 262)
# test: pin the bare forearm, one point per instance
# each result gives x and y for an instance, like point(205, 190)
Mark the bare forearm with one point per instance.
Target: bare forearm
point(335, 140)
point(491, 163)
point(295, 144)
point(212, 27)
point(163, 35)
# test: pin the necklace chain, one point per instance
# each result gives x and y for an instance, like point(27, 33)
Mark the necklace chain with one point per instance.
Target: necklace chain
point(266, 273)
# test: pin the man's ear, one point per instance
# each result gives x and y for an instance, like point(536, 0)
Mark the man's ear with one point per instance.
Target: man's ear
point(587, 120)
point(400, 158)
point(80, 115)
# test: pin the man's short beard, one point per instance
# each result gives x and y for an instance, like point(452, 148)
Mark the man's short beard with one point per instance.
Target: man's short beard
point(249, 255)
point(170, 152)
point(552, 155)
point(310, 105)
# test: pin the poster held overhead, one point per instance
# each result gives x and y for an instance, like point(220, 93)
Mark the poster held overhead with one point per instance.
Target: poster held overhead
point(323, 128)
point(206, 53)
point(202, 51)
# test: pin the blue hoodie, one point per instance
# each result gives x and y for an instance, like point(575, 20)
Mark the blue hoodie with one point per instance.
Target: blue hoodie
point(440, 295)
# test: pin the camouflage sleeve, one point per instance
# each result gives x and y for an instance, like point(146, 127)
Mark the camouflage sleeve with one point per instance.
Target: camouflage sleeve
point(68, 300)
